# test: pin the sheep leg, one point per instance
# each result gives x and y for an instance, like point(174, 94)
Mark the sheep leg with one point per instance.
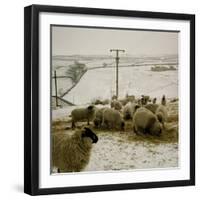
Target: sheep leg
point(135, 130)
point(73, 124)
point(88, 122)
point(106, 124)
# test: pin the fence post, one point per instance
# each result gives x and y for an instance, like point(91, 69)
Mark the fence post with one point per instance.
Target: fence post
point(55, 78)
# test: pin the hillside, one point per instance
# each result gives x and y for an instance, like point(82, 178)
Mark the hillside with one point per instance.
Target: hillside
point(135, 76)
point(100, 83)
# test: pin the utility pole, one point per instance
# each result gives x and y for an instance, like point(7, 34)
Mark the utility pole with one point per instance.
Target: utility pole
point(117, 66)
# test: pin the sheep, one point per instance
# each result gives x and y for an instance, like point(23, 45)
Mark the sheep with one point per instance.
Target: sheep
point(72, 153)
point(116, 105)
point(123, 101)
point(100, 102)
point(152, 107)
point(98, 117)
point(80, 114)
point(127, 99)
point(97, 102)
point(130, 98)
point(144, 121)
point(112, 119)
point(174, 100)
point(154, 100)
point(138, 101)
point(129, 109)
point(163, 101)
point(144, 99)
point(105, 102)
point(161, 113)
point(114, 97)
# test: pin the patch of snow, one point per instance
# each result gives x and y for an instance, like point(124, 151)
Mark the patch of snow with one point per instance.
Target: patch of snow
point(114, 152)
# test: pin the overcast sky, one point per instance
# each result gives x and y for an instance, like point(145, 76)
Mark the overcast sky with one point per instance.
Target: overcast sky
point(88, 41)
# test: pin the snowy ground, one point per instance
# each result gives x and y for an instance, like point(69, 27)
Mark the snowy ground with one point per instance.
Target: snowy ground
point(115, 152)
point(125, 150)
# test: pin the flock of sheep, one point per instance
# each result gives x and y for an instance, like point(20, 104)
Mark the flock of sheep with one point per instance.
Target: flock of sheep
point(72, 153)
point(146, 117)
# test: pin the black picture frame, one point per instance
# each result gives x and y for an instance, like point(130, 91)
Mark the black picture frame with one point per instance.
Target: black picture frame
point(31, 98)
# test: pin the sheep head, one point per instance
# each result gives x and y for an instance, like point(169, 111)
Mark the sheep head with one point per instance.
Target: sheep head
point(90, 134)
point(91, 109)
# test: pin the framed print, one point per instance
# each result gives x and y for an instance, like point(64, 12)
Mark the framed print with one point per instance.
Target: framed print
point(109, 99)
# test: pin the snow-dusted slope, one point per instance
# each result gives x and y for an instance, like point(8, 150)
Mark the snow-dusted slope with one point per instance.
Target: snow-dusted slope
point(100, 83)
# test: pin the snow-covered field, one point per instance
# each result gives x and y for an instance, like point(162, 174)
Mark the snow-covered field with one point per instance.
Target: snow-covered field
point(125, 150)
point(100, 83)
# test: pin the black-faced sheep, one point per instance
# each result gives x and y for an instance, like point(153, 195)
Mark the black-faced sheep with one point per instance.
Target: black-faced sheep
point(144, 121)
point(144, 99)
point(72, 153)
point(129, 109)
point(116, 105)
point(112, 119)
point(154, 100)
point(80, 114)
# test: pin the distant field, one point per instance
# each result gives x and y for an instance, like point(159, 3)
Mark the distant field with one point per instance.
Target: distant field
point(100, 83)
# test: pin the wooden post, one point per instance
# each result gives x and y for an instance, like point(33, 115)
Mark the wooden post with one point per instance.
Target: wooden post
point(117, 68)
point(55, 78)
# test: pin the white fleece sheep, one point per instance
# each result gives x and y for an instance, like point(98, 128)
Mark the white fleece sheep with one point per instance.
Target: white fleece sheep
point(129, 110)
point(162, 114)
point(144, 121)
point(112, 119)
point(116, 105)
point(72, 153)
point(98, 117)
point(80, 114)
point(152, 107)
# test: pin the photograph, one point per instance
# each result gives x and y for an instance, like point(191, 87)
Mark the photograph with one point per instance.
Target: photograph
point(109, 99)
point(114, 99)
